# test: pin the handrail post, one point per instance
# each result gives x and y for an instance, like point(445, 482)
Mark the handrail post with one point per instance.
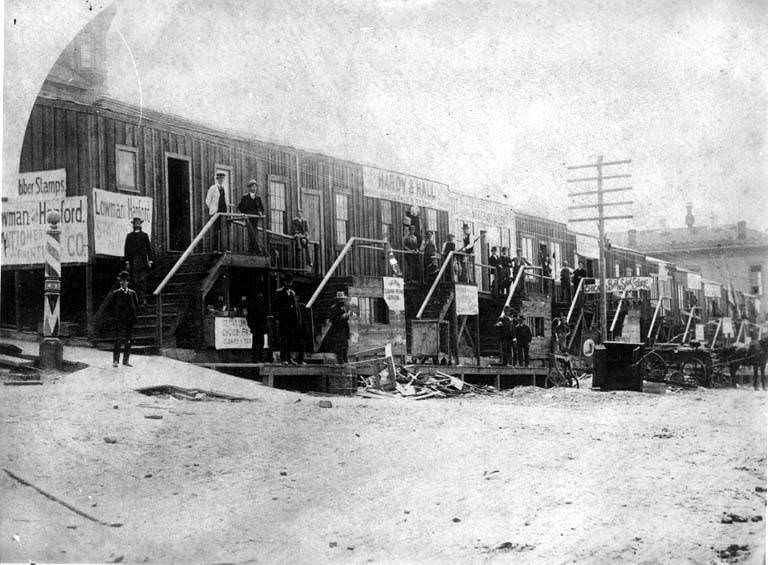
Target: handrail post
point(434, 284)
point(717, 332)
point(573, 302)
point(688, 324)
point(333, 268)
point(655, 315)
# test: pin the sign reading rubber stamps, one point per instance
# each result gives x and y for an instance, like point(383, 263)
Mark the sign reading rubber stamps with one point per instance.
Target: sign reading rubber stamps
point(41, 185)
point(24, 223)
point(394, 288)
point(112, 214)
point(232, 333)
point(620, 284)
point(466, 300)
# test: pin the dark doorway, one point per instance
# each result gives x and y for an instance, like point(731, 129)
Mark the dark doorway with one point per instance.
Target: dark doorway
point(179, 198)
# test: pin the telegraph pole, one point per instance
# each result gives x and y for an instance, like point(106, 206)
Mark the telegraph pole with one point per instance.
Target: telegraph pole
point(600, 205)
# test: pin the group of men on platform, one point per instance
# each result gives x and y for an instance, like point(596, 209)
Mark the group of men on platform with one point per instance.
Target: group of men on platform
point(459, 270)
point(515, 339)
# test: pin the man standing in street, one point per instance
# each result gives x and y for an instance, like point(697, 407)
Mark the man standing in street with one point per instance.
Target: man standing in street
point(217, 201)
point(124, 307)
point(523, 335)
point(256, 317)
point(340, 327)
point(252, 205)
point(138, 257)
point(288, 319)
point(300, 231)
point(411, 247)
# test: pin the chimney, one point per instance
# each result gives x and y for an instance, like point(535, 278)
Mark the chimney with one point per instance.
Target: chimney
point(632, 238)
point(741, 230)
point(689, 215)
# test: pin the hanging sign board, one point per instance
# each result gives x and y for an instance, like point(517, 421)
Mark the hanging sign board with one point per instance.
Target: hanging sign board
point(620, 284)
point(727, 327)
point(712, 290)
point(693, 281)
point(112, 214)
point(41, 185)
point(24, 226)
point(394, 293)
point(232, 333)
point(379, 183)
point(466, 300)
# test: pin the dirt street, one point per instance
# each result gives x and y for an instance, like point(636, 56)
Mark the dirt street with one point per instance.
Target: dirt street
point(535, 476)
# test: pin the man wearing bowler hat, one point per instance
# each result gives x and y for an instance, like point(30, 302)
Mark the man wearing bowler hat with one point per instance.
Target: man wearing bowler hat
point(138, 257)
point(217, 201)
point(252, 205)
point(124, 306)
point(339, 332)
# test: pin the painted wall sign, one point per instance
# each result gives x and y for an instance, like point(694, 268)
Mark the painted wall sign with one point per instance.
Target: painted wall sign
point(112, 214)
point(466, 300)
point(232, 333)
point(712, 290)
point(693, 281)
point(24, 223)
point(41, 185)
point(620, 284)
point(699, 335)
point(378, 183)
point(394, 288)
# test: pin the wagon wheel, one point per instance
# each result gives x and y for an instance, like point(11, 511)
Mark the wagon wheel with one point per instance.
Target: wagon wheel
point(653, 366)
point(573, 379)
point(694, 371)
point(556, 378)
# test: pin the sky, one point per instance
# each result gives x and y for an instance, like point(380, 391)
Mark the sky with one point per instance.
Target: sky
point(492, 97)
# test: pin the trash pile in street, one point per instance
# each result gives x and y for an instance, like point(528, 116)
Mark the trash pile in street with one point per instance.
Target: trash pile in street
point(418, 385)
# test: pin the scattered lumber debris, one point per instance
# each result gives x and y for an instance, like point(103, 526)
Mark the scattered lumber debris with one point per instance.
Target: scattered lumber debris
point(418, 386)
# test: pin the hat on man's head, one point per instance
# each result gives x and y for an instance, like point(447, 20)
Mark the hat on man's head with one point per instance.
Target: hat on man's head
point(251, 183)
point(288, 278)
point(124, 275)
point(340, 294)
point(220, 174)
point(137, 219)
point(465, 227)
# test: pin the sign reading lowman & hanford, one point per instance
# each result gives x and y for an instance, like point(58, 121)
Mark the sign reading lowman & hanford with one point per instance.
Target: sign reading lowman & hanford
point(24, 223)
point(466, 300)
point(378, 183)
point(112, 214)
point(393, 293)
point(620, 285)
point(41, 185)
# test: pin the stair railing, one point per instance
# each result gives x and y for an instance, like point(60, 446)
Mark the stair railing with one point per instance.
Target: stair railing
point(573, 302)
point(440, 273)
point(518, 278)
point(655, 316)
point(344, 252)
point(618, 310)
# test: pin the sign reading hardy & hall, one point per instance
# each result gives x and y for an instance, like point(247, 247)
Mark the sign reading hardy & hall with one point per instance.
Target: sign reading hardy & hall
point(620, 285)
point(112, 214)
point(378, 183)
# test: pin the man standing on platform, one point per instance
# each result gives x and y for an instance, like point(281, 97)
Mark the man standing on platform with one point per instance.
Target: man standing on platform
point(578, 274)
point(506, 325)
point(252, 205)
point(124, 306)
point(217, 201)
point(503, 271)
point(288, 319)
point(449, 246)
point(300, 230)
point(411, 247)
point(431, 267)
point(256, 317)
point(524, 337)
point(518, 262)
point(565, 283)
point(340, 327)
point(468, 247)
point(138, 257)
point(493, 263)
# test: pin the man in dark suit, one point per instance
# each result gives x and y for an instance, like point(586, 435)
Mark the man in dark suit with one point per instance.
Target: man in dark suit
point(524, 337)
point(288, 319)
point(494, 272)
point(411, 247)
point(431, 266)
point(503, 267)
point(256, 317)
point(565, 283)
point(506, 325)
point(124, 307)
point(300, 231)
point(252, 205)
point(138, 257)
point(578, 274)
point(339, 333)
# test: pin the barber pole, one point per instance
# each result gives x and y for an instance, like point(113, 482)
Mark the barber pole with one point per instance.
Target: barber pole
point(51, 348)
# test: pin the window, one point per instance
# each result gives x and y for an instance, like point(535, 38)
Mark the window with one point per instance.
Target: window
point(616, 270)
point(342, 218)
point(277, 206)
point(537, 326)
point(627, 271)
point(432, 220)
point(637, 270)
point(557, 261)
point(527, 247)
point(756, 279)
point(126, 168)
point(84, 52)
point(385, 216)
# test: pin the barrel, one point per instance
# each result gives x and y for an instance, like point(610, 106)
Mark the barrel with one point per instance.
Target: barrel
point(343, 383)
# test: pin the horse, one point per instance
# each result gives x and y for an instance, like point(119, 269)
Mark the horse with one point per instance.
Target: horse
point(754, 355)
